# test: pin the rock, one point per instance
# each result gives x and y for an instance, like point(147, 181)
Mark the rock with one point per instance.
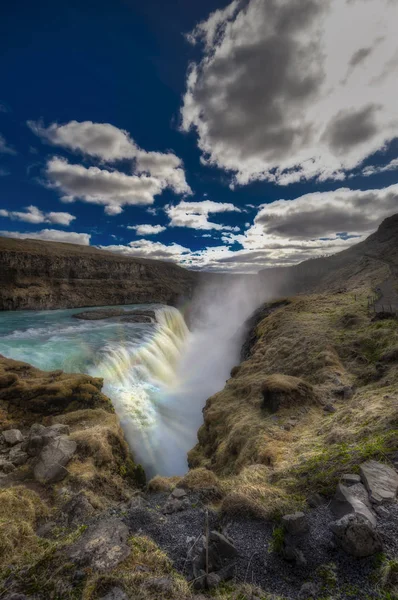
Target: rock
point(36, 429)
point(357, 536)
point(46, 529)
point(174, 505)
point(18, 456)
point(102, 546)
point(56, 430)
point(13, 436)
point(308, 591)
point(53, 459)
point(178, 493)
point(345, 503)
point(292, 554)
point(380, 480)
point(346, 392)
point(382, 511)
point(77, 509)
point(315, 500)
point(223, 546)
point(350, 479)
point(212, 581)
point(329, 408)
point(290, 424)
point(295, 524)
point(34, 445)
point(6, 466)
point(115, 593)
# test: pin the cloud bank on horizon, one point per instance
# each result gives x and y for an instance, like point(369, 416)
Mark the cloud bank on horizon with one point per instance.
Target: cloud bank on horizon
point(280, 93)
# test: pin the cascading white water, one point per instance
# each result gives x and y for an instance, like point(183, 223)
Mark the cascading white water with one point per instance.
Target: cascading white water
point(138, 377)
point(158, 375)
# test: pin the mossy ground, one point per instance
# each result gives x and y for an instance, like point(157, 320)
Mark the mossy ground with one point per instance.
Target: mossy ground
point(325, 342)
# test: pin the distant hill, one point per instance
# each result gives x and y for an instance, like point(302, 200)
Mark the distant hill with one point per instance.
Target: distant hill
point(45, 275)
point(366, 264)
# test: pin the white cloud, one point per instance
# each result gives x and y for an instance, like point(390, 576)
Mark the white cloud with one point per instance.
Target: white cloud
point(109, 144)
point(102, 140)
point(165, 167)
point(148, 249)
point(195, 214)
point(285, 232)
point(111, 189)
point(374, 169)
point(147, 229)
point(4, 147)
point(294, 89)
point(34, 215)
point(323, 214)
point(51, 235)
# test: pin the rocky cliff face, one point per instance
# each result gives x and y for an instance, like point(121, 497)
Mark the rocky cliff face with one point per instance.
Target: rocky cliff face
point(47, 275)
point(362, 266)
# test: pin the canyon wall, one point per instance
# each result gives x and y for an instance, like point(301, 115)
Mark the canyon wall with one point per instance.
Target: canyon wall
point(48, 275)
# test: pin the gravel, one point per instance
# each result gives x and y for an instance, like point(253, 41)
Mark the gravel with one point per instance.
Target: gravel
point(256, 563)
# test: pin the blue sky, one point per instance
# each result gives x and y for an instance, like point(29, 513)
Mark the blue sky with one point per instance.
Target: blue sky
point(221, 136)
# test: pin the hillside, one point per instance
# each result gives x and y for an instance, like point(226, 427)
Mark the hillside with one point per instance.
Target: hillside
point(368, 263)
point(47, 275)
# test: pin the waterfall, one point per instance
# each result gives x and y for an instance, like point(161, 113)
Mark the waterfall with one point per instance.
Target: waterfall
point(139, 376)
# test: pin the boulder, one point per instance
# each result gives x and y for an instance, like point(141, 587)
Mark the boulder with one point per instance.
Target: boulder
point(13, 436)
point(221, 554)
point(34, 445)
point(357, 536)
point(380, 480)
point(223, 546)
point(6, 466)
point(102, 546)
point(295, 524)
point(36, 429)
point(54, 431)
point(178, 493)
point(174, 505)
point(350, 479)
point(53, 459)
point(17, 456)
point(212, 581)
point(77, 509)
point(345, 503)
point(293, 554)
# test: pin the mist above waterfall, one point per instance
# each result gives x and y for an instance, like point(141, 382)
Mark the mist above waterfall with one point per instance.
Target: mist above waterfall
point(158, 375)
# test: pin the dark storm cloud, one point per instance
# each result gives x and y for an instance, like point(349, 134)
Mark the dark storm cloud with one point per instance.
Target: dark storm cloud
point(350, 128)
point(264, 84)
point(359, 56)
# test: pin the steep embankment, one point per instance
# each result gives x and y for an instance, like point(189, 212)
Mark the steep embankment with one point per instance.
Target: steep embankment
point(46, 275)
point(316, 393)
point(363, 266)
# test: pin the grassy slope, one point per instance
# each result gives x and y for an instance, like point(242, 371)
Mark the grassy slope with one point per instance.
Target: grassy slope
point(326, 342)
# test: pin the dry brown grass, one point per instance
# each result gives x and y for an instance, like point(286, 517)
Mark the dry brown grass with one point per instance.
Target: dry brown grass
point(163, 484)
point(304, 353)
point(20, 509)
point(30, 392)
point(138, 575)
point(102, 465)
